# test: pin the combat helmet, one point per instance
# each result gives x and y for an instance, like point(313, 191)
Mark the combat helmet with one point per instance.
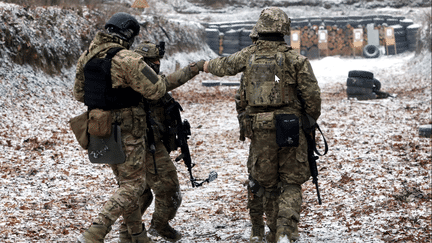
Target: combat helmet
point(150, 50)
point(273, 20)
point(123, 24)
point(152, 54)
point(254, 35)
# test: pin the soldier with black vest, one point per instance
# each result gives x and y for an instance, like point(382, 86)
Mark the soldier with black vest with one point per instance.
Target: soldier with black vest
point(278, 86)
point(113, 81)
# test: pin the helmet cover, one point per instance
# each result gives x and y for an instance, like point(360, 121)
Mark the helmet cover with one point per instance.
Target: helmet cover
point(148, 50)
point(273, 20)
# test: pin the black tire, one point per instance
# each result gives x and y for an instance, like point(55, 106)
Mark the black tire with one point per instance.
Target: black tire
point(370, 96)
point(303, 52)
point(378, 21)
point(360, 74)
point(377, 85)
point(406, 22)
point(317, 22)
point(329, 22)
point(371, 51)
point(353, 90)
point(341, 23)
point(360, 82)
point(392, 21)
point(425, 131)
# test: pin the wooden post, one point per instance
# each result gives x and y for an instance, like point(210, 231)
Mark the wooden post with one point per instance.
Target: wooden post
point(358, 39)
point(322, 41)
point(390, 38)
point(295, 40)
point(140, 4)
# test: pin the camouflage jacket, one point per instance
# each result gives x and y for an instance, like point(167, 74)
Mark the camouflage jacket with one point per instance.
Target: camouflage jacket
point(297, 66)
point(158, 107)
point(128, 69)
point(181, 76)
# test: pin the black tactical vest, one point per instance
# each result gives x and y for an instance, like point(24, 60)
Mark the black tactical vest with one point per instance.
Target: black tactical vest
point(98, 91)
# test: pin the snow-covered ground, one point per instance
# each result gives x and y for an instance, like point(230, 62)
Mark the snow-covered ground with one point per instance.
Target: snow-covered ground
point(375, 182)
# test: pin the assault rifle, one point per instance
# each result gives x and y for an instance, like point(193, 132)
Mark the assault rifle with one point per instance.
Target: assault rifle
point(150, 133)
point(309, 126)
point(183, 132)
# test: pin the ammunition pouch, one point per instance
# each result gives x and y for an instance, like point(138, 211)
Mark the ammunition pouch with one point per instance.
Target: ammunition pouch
point(132, 120)
point(99, 123)
point(287, 130)
point(264, 121)
point(79, 125)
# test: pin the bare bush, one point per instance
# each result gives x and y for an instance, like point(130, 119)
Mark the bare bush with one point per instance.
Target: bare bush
point(424, 34)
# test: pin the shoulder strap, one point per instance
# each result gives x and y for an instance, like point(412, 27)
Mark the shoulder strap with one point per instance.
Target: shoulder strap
point(112, 52)
point(325, 142)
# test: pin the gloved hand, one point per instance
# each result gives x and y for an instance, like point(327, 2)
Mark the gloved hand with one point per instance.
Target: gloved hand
point(200, 65)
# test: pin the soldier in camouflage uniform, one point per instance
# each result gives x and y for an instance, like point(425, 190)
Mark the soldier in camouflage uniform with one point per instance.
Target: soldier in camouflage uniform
point(165, 183)
point(131, 81)
point(270, 115)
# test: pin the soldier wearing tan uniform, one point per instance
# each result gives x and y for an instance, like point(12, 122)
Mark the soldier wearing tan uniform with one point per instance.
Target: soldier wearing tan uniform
point(270, 115)
point(163, 181)
point(132, 80)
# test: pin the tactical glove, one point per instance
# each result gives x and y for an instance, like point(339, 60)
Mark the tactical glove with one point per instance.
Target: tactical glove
point(200, 65)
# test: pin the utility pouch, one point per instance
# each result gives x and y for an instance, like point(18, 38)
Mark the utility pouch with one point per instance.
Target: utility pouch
point(79, 126)
point(139, 122)
point(287, 130)
point(264, 121)
point(99, 123)
point(126, 120)
point(107, 150)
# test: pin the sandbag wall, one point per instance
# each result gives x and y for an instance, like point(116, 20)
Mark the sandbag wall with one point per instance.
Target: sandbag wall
point(229, 37)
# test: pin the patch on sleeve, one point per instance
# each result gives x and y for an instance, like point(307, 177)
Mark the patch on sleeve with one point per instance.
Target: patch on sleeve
point(150, 74)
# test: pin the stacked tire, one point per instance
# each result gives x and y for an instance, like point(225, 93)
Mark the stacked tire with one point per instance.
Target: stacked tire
point(411, 34)
point(213, 39)
point(231, 42)
point(245, 40)
point(401, 41)
point(361, 85)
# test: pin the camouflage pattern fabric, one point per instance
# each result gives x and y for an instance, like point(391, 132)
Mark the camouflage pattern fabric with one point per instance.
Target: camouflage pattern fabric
point(126, 71)
point(165, 183)
point(181, 76)
point(272, 20)
point(280, 171)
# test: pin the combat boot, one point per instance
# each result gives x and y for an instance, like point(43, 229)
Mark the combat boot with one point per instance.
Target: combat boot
point(141, 237)
point(95, 234)
point(165, 231)
point(285, 235)
point(257, 234)
point(270, 237)
point(124, 236)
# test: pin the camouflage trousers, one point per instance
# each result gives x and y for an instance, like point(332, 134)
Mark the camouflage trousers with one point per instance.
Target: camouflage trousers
point(165, 186)
point(131, 180)
point(279, 173)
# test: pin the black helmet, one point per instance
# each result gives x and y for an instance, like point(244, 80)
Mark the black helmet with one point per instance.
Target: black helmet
point(123, 24)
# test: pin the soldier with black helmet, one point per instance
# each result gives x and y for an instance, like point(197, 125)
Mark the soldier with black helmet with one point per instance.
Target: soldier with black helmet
point(163, 179)
point(270, 114)
point(112, 80)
